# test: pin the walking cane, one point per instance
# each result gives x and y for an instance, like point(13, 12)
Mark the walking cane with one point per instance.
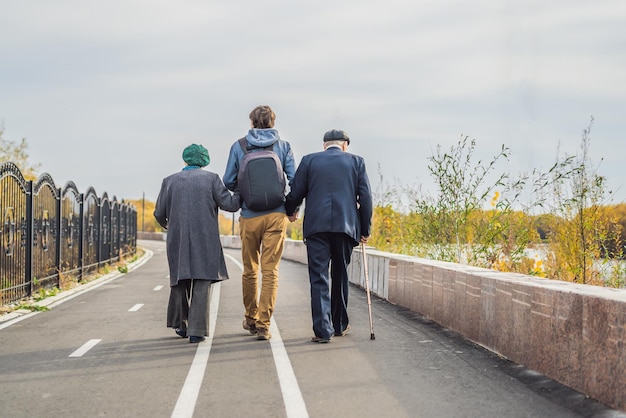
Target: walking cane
point(367, 290)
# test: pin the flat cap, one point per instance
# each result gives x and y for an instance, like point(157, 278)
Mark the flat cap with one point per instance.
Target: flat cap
point(336, 135)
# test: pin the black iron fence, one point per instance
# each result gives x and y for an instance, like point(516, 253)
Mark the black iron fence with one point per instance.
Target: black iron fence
point(51, 235)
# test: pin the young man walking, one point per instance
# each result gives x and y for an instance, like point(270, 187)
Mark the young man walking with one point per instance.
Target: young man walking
point(262, 230)
point(337, 216)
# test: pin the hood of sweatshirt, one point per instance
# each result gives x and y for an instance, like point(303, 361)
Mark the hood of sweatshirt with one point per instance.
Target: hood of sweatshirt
point(262, 137)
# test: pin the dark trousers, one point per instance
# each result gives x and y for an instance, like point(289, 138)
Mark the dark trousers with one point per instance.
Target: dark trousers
point(189, 306)
point(329, 297)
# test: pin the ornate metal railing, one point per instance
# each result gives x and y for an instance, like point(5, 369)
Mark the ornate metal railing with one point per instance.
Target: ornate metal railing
point(50, 235)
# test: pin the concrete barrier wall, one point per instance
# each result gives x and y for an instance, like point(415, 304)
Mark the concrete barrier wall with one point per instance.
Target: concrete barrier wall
point(574, 334)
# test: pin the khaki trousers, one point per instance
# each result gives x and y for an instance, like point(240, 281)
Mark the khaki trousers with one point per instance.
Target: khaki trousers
point(262, 241)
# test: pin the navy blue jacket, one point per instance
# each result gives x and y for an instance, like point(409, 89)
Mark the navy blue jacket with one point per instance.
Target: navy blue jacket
point(337, 192)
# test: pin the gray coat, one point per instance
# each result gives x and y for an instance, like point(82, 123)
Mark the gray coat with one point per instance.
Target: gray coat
point(187, 206)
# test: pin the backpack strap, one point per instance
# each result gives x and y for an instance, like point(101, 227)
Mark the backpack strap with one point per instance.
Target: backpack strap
point(244, 145)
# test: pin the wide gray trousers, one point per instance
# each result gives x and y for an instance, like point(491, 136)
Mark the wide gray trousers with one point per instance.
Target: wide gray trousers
point(189, 306)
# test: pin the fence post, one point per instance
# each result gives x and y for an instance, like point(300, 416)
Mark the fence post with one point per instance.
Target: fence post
point(81, 234)
point(29, 237)
point(59, 235)
point(99, 232)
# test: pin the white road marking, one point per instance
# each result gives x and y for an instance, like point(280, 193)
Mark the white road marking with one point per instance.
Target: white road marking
point(136, 307)
point(86, 347)
point(292, 396)
point(156, 289)
point(191, 388)
point(294, 402)
point(18, 319)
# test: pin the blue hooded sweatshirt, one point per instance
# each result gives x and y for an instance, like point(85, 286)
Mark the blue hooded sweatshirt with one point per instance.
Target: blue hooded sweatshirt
point(259, 138)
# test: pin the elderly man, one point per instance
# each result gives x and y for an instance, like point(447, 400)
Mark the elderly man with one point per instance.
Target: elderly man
point(337, 216)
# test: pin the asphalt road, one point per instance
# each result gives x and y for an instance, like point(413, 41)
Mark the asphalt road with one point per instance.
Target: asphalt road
point(105, 352)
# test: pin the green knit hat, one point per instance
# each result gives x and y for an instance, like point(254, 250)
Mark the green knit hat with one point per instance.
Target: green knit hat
point(197, 155)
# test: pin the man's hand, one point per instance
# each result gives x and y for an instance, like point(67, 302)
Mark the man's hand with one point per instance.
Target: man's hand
point(364, 239)
point(293, 218)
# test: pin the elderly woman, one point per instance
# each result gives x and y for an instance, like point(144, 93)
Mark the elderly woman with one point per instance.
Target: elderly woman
point(187, 206)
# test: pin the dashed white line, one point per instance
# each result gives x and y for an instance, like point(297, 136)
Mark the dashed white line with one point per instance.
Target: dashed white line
point(136, 307)
point(156, 289)
point(85, 347)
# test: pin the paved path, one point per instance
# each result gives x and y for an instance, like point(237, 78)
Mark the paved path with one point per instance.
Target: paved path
point(107, 353)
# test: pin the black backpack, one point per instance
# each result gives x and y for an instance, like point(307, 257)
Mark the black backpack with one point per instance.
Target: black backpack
point(261, 179)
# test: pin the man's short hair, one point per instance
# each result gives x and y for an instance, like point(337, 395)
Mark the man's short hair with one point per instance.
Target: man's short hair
point(338, 142)
point(262, 117)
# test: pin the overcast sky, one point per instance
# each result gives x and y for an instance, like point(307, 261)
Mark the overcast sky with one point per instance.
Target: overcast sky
point(108, 93)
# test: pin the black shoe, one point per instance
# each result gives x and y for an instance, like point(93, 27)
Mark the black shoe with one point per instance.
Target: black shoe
point(317, 339)
point(196, 339)
point(180, 333)
point(344, 332)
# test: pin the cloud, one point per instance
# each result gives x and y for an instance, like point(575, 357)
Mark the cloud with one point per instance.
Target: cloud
point(108, 93)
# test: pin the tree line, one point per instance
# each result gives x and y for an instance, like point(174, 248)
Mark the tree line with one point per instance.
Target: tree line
point(558, 223)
